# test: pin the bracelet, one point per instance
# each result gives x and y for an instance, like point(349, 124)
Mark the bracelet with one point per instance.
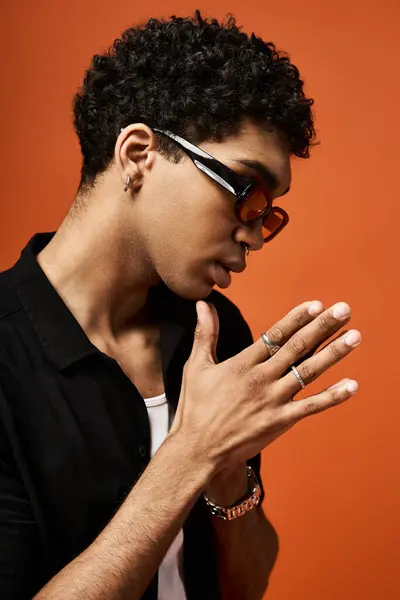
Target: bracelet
point(246, 504)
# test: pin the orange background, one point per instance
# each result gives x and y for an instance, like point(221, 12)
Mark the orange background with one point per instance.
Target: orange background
point(332, 482)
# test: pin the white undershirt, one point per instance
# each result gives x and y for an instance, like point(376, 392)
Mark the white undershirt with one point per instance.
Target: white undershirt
point(170, 576)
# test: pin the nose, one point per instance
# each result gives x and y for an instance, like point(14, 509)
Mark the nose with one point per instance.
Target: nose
point(251, 235)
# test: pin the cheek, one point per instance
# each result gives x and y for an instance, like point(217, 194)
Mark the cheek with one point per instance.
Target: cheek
point(188, 218)
point(209, 209)
point(197, 213)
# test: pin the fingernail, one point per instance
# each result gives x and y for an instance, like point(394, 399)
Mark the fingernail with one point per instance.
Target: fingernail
point(353, 338)
point(339, 383)
point(352, 387)
point(341, 311)
point(315, 308)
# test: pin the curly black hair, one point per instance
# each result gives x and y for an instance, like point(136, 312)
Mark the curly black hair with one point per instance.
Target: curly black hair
point(196, 77)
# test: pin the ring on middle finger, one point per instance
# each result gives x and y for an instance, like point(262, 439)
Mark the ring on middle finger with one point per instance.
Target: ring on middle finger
point(272, 348)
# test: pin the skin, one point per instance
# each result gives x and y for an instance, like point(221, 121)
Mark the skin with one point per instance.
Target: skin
point(130, 241)
point(111, 248)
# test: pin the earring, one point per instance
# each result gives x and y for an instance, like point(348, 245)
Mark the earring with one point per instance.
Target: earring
point(127, 184)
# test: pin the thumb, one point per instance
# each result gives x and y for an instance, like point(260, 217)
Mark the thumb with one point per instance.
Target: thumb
point(206, 333)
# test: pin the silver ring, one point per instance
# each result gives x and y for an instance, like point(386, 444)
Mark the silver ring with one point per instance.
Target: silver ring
point(298, 377)
point(272, 348)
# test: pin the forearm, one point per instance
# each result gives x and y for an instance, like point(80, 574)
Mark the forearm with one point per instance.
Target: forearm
point(247, 547)
point(123, 559)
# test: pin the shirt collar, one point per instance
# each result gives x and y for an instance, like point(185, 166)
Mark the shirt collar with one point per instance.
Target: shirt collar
point(60, 334)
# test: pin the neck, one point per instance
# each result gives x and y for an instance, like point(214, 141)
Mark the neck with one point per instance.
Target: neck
point(100, 269)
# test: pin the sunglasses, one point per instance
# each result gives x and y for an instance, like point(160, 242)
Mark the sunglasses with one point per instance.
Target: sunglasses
point(253, 199)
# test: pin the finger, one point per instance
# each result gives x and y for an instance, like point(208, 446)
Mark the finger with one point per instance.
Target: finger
point(310, 336)
point(283, 330)
point(336, 394)
point(341, 382)
point(206, 333)
point(313, 351)
point(312, 368)
point(308, 355)
point(215, 333)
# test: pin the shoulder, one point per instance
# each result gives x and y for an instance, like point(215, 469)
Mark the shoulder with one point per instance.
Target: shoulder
point(9, 301)
point(11, 323)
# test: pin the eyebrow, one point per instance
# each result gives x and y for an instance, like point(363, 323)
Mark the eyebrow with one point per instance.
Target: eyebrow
point(269, 177)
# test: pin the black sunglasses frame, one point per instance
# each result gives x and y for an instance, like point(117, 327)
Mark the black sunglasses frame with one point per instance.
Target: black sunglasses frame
point(240, 186)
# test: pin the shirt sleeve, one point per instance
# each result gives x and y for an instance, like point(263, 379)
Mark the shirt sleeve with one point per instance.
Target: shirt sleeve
point(19, 533)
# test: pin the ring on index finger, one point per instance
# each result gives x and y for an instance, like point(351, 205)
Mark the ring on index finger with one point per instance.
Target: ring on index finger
point(272, 348)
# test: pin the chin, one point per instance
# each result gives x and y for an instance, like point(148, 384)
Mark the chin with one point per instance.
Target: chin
point(192, 288)
point(195, 293)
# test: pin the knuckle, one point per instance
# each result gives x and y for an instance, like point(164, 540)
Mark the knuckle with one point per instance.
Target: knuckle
point(324, 322)
point(301, 317)
point(335, 352)
point(307, 372)
point(277, 334)
point(310, 408)
point(198, 332)
point(337, 395)
point(240, 369)
point(297, 344)
point(287, 418)
point(255, 381)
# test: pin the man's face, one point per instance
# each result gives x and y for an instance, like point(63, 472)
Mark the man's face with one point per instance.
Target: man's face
point(189, 221)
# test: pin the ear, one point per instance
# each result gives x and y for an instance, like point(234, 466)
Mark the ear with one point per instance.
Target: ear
point(134, 153)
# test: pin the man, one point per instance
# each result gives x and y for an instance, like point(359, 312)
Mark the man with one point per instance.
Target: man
point(108, 359)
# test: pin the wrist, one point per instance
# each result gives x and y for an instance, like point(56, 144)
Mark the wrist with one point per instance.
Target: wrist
point(199, 464)
point(228, 486)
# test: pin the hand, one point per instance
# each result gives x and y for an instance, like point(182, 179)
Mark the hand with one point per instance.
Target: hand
point(229, 412)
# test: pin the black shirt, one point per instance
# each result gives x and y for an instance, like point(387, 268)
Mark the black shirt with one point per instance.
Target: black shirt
point(74, 430)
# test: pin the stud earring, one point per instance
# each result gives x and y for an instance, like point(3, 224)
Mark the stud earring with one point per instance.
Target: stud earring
point(127, 184)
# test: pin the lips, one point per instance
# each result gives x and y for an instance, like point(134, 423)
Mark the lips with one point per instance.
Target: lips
point(235, 267)
point(222, 276)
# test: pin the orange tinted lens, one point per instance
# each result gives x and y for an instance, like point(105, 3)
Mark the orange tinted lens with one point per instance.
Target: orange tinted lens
point(254, 206)
point(272, 223)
